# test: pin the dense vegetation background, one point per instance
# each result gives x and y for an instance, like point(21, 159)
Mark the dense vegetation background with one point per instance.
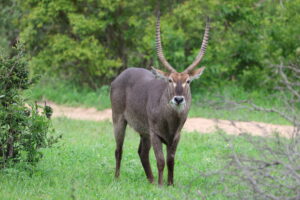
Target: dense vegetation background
point(88, 42)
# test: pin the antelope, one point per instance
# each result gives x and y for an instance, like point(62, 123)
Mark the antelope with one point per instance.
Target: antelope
point(155, 104)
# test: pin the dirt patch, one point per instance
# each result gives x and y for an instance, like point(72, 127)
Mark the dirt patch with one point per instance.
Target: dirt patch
point(236, 127)
point(80, 113)
point(201, 125)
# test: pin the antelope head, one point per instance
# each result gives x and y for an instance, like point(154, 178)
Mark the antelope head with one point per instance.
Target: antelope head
point(179, 82)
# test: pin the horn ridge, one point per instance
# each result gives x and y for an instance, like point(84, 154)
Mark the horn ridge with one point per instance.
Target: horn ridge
point(202, 49)
point(159, 49)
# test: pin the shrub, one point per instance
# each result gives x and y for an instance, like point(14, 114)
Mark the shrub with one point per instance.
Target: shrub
point(23, 129)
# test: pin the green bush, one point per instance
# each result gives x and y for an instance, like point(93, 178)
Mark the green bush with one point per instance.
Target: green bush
point(24, 130)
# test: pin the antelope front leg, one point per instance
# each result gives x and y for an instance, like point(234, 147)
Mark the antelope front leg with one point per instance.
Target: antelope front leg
point(157, 147)
point(171, 150)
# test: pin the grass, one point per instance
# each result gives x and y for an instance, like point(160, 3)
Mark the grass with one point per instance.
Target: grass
point(211, 104)
point(64, 93)
point(82, 167)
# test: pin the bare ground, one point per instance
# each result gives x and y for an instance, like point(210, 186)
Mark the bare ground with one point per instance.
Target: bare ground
point(198, 124)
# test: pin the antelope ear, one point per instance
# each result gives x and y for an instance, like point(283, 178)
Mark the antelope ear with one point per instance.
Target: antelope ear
point(196, 73)
point(160, 74)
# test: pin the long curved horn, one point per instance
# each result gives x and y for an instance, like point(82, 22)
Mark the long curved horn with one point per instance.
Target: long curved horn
point(159, 49)
point(202, 50)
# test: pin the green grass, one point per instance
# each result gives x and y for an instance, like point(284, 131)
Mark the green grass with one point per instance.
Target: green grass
point(64, 93)
point(82, 167)
point(211, 104)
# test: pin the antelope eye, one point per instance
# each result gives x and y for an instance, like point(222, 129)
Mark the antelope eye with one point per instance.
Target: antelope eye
point(170, 80)
point(188, 81)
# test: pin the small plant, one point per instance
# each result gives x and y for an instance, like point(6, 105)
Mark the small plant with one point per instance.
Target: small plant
point(24, 130)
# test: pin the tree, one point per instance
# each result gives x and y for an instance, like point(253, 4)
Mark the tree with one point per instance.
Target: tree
point(10, 14)
point(92, 41)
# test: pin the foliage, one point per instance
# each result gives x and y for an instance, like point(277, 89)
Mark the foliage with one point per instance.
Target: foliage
point(90, 42)
point(10, 14)
point(23, 130)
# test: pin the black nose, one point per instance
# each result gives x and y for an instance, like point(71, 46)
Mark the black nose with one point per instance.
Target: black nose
point(178, 100)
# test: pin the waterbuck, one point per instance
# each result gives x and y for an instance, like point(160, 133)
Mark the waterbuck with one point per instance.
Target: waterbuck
point(155, 104)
